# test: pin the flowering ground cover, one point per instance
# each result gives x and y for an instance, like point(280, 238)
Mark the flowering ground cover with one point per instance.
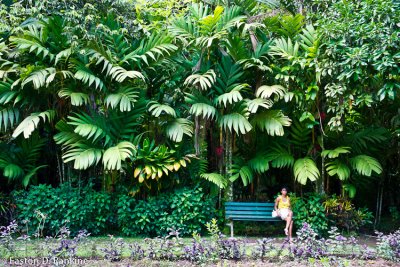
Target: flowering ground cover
point(307, 249)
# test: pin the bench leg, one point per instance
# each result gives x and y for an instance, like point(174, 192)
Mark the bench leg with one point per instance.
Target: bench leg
point(231, 228)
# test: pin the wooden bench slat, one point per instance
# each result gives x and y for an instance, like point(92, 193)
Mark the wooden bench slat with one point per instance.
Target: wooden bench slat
point(263, 219)
point(248, 204)
point(255, 213)
point(251, 208)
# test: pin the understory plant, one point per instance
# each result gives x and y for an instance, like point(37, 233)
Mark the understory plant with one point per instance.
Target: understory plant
point(388, 246)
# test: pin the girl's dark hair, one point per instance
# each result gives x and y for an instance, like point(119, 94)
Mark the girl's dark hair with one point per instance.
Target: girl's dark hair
point(284, 187)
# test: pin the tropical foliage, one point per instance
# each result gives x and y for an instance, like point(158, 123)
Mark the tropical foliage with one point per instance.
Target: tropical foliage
point(235, 95)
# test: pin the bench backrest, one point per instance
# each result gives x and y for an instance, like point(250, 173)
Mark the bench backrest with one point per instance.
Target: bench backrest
point(249, 211)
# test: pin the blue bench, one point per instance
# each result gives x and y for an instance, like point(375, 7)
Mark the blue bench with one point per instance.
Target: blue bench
point(249, 211)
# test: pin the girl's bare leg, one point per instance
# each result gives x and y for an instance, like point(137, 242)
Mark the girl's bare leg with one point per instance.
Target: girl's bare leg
point(290, 230)
point(288, 219)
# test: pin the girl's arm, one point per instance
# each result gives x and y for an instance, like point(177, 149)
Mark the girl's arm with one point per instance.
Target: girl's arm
point(276, 203)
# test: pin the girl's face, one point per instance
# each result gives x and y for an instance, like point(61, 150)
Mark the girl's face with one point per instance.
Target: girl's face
point(284, 192)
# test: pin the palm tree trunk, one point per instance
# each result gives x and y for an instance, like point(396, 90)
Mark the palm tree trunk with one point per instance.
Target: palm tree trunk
point(228, 164)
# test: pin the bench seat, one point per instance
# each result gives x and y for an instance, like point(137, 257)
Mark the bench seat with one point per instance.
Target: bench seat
point(249, 211)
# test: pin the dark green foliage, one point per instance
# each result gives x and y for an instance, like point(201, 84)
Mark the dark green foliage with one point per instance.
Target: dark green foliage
point(101, 213)
point(77, 208)
point(186, 210)
point(309, 209)
point(323, 212)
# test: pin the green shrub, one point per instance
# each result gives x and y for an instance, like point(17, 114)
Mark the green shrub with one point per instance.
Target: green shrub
point(186, 210)
point(344, 215)
point(65, 205)
point(100, 213)
point(309, 209)
point(323, 212)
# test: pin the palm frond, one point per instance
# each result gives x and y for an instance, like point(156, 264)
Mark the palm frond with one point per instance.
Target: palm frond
point(8, 118)
point(29, 124)
point(83, 155)
point(266, 91)
point(215, 178)
point(113, 156)
point(305, 169)
point(204, 80)
point(77, 98)
point(175, 129)
point(366, 165)
point(255, 103)
point(271, 121)
point(334, 153)
point(310, 41)
point(85, 75)
point(285, 49)
point(157, 109)
point(231, 97)
point(125, 97)
point(338, 168)
point(280, 157)
point(236, 121)
point(87, 127)
point(260, 163)
point(243, 172)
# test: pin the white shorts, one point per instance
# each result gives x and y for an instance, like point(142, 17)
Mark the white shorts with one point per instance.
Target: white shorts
point(283, 213)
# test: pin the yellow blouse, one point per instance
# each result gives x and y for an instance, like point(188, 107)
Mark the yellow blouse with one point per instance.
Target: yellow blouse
point(284, 204)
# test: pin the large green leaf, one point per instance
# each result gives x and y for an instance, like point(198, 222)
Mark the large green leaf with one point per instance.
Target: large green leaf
point(114, 156)
point(305, 170)
point(202, 80)
point(157, 109)
point(215, 178)
point(260, 163)
point(271, 121)
point(338, 168)
point(125, 98)
point(83, 156)
point(8, 118)
point(266, 91)
point(244, 172)
point(365, 165)
point(235, 122)
point(87, 126)
point(77, 98)
point(175, 129)
point(29, 124)
point(334, 153)
point(280, 157)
